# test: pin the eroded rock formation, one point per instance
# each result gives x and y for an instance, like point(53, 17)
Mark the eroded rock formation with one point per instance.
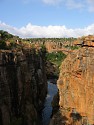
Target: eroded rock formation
point(85, 41)
point(23, 86)
point(76, 84)
point(76, 89)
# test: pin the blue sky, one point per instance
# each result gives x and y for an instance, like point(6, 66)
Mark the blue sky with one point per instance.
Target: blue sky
point(47, 18)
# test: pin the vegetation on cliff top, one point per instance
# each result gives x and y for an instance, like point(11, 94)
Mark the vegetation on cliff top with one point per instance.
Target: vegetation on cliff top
point(72, 47)
point(7, 40)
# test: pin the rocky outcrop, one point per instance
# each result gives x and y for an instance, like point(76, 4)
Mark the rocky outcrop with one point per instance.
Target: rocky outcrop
point(85, 41)
point(23, 86)
point(76, 89)
point(76, 86)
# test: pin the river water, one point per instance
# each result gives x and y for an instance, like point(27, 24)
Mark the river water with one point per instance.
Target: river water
point(47, 110)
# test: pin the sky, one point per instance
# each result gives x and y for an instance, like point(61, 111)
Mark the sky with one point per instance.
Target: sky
point(47, 18)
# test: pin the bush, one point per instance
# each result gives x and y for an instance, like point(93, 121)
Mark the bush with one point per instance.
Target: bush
point(5, 35)
point(56, 57)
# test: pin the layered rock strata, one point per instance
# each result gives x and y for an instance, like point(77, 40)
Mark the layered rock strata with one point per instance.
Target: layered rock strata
point(23, 86)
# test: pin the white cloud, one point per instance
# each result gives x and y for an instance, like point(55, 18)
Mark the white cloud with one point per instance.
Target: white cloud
point(69, 3)
point(90, 1)
point(73, 4)
point(10, 29)
point(90, 5)
point(47, 31)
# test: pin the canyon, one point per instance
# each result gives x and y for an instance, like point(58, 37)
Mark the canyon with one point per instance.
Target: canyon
point(23, 83)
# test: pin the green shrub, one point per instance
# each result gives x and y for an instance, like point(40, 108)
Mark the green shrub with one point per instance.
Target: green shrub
point(56, 57)
point(5, 35)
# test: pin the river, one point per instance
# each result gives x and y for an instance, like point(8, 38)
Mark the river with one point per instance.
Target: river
point(47, 110)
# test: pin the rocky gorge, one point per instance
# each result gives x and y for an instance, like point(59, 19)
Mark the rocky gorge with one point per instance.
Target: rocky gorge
point(28, 78)
point(23, 86)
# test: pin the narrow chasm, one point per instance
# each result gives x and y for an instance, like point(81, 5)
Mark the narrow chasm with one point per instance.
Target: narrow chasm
point(47, 109)
point(51, 103)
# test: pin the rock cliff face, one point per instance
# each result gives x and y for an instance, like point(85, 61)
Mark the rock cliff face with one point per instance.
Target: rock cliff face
point(23, 86)
point(76, 88)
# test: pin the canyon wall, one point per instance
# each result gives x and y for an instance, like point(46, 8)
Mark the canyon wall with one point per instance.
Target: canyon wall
point(23, 86)
point(76, 89)
point(76, 85)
